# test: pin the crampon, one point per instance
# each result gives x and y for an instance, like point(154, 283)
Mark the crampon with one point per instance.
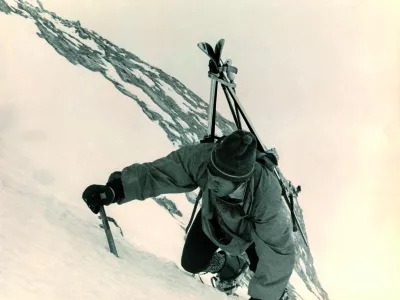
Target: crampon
point(230, 285)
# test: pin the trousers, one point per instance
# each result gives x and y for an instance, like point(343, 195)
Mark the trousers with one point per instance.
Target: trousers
point(199, 249)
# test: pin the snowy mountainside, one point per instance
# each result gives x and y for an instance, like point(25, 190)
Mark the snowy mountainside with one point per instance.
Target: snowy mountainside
point(182, 117)
point(162, 98)
point(52, 250)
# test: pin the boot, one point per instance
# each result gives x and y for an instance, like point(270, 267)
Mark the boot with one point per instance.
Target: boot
point(231, 274)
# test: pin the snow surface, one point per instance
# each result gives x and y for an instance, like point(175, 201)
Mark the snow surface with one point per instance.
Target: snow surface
point(146, 79)
point(183, 123)
point(303, 266)
point(169, 91)
point(74, 37)
point(136, 91)
point(146, 67)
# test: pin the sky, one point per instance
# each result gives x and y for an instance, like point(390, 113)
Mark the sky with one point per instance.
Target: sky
point(320, 82)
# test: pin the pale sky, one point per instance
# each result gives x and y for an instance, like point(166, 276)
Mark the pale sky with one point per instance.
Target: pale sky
point(320, 82)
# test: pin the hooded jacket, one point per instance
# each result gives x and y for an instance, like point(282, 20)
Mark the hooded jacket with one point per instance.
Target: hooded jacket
point(261, 219)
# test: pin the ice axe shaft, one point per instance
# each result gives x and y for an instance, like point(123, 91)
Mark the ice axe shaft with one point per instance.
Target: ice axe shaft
point(107, 229)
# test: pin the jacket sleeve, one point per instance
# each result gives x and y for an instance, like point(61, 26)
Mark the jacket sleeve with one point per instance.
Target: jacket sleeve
point(273, 242)
point(172, 174)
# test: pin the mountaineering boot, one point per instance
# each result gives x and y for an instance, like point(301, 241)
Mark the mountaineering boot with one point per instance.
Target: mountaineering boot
point(230, 271)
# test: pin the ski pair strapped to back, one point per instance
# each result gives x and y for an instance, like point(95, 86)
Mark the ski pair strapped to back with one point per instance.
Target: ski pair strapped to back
point(224, 73)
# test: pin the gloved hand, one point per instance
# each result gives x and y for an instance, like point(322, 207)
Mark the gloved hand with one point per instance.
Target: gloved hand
point(97, 195)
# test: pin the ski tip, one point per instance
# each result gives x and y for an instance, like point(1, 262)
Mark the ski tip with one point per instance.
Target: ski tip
point(203, 45)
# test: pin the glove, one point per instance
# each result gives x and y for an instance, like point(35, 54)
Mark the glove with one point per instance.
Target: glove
point(97, 195)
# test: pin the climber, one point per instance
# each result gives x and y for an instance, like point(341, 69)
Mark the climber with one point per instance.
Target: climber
point(241, 212)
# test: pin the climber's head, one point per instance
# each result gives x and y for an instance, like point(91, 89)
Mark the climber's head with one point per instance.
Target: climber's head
point(232, 162)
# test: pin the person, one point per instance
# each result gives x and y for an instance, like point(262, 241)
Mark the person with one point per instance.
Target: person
point(241, 213)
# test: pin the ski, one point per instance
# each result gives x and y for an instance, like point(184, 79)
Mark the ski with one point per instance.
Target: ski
point(218, 50)
point(208, 50)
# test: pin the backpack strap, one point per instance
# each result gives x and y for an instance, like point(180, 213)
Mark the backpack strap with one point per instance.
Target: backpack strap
point(194, 210)
point(266, 160)
point(206, 139)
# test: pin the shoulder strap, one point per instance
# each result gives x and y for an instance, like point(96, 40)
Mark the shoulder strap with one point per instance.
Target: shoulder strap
point(206, 139)
point(194, 210)
point(266, 160)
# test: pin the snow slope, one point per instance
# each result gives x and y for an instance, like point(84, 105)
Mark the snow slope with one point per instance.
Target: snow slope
point(63, 127)
point(51, 246)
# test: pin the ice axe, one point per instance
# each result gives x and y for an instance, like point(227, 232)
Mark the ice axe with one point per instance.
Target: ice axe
point(104, 193)
point(108, 232)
